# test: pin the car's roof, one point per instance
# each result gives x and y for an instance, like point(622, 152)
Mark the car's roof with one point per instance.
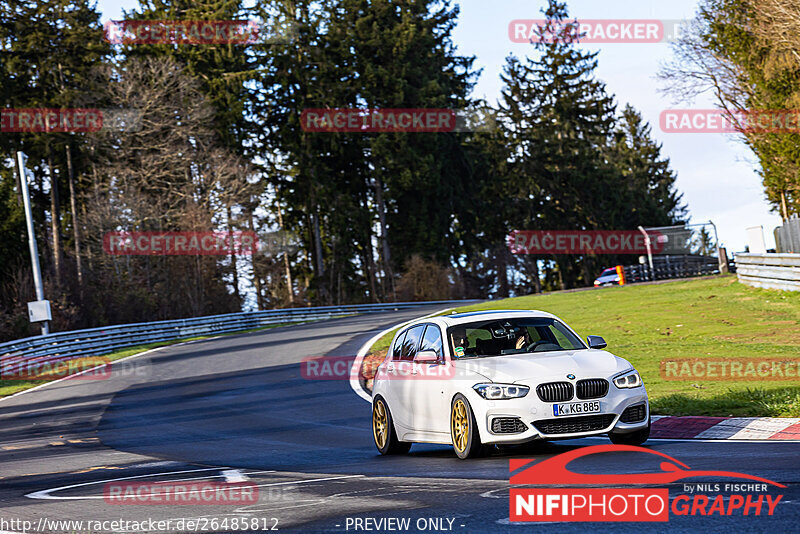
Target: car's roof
point(488, 315)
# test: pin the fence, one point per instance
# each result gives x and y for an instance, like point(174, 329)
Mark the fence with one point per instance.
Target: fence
point(770, 271)
point(673, 266)
point(787, 237)
point(63, 346)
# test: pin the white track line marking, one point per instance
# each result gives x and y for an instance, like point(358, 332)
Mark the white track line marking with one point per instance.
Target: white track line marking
point(233, 476)
point(45, 494)
point(355, 370)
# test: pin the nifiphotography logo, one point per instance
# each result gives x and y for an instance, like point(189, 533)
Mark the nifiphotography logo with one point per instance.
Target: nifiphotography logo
point(605, 502)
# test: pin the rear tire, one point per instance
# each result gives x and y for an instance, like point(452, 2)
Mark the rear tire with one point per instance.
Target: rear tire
point(383, 432)
point(464, 430)
point(637, 437)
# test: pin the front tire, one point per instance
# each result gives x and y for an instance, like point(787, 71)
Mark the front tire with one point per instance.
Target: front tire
point(383, 431)
point(637, 437)
point(464, 429)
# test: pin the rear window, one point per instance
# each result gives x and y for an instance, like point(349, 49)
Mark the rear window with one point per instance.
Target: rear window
point(398, 346)
point(411, 342)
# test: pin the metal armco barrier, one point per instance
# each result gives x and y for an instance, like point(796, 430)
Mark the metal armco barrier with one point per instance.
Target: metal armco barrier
point(770, 271)
point(787, 237)
point(673, 266)
point(62, 346)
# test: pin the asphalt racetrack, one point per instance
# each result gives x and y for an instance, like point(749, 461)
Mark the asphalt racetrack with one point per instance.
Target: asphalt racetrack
point(236, 408)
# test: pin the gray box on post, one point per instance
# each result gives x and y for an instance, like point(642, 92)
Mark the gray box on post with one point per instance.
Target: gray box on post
point(39, 311)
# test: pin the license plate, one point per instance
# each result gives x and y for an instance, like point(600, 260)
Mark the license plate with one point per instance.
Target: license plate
point(576, 408)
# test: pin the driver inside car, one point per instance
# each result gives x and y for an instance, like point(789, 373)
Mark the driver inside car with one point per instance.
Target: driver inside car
point(524, 340)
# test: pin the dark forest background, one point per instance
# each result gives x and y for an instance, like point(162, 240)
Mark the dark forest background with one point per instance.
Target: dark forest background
point(371, 217)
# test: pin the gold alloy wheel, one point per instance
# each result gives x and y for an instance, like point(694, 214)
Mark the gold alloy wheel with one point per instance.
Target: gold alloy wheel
point(459, 425)
point(379, 424)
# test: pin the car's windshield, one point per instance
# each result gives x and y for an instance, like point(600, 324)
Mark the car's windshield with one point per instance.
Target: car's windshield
point(511, 336)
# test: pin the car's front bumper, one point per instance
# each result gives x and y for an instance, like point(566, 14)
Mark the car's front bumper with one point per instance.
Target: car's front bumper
point(530, 410)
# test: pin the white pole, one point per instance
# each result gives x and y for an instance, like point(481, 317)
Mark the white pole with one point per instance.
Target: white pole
point(26, 200)
point(649, 251)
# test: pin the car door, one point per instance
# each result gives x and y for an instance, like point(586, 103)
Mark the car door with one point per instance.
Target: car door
point(430, 407)
point(399, 373)
point(389, 378)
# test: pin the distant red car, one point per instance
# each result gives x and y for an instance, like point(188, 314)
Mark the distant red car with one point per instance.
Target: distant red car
point(608, 277)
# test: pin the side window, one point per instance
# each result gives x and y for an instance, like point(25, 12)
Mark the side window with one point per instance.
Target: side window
point(398, 346)
point(432, 340)
point(411, 342)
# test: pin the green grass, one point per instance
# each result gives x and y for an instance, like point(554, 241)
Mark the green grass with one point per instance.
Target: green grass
point(742, 402)
point(705, 318)
point(9, 387)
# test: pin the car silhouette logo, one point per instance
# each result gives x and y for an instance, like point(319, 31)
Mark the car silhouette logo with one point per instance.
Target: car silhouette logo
point(571, 376)
point(554, 470)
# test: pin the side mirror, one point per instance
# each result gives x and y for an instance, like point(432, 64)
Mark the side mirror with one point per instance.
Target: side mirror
point(426, 356)
point(596, 342)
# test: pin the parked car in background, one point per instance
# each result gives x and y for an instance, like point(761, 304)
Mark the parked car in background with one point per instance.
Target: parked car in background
point(608, 277)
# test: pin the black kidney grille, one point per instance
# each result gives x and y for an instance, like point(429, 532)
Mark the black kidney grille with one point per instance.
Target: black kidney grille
point(555, 391)
point(508, 425)
point(572, 425)
point(592, 388)
point(633, 414)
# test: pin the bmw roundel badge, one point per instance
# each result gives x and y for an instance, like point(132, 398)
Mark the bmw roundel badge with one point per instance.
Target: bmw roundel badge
point(571, 376)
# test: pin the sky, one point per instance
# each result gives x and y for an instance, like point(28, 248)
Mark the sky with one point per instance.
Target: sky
point(716, 172)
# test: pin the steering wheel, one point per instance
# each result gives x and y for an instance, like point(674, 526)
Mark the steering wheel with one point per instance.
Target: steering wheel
point(535, 344)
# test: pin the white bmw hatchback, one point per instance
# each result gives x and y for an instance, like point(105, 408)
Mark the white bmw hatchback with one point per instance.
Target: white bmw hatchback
point(502, 377)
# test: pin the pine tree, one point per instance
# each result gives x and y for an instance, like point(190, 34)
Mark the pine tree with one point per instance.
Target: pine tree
point(649, 197)
point(49, 51)
point(405, 58)
point(561, 116)
point(578, 166)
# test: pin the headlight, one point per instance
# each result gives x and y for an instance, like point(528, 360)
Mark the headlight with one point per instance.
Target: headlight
point(628, 379)
point(500, 391)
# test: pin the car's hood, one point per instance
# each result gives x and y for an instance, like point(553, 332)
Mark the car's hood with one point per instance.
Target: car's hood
point(546, 366)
